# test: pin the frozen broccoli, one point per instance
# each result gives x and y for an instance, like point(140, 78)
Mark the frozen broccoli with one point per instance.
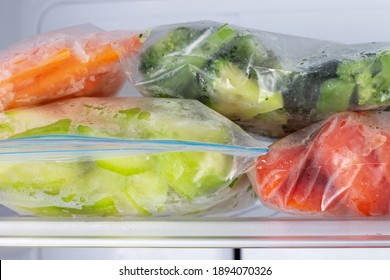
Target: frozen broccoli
point(247, 52)
point(226, 69)
point(361, 82)
point(175, 41)
point(171, 64)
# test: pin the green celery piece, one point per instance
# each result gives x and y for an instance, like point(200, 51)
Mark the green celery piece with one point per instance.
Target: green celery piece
point(148, 191)
point(194, 174)
point(59, 127)
point(89, 131)
point(103, 207)
point(144, 192)
point(85, 130)
point(98, 182)
point(28, 185)
point(130, 113)
point(168, 128)
point(46, 177)
point(5, 129)
point(22, 119)
point(164, 123)
point(127, 166)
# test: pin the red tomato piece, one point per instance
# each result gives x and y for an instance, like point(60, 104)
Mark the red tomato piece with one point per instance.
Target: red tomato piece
point(287, 182)
point(348, 152)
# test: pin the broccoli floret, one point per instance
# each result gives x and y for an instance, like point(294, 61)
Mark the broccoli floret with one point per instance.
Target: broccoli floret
point(171, 64)
point(358, 73)
point(175, 41)
point(371, 77)
point(248, 51)
point(358, 82)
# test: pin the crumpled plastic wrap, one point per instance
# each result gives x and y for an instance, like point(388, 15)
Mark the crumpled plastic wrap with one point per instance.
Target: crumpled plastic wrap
point(124, 157)
point(340, 167)
point(69, 62)
point(270, 84)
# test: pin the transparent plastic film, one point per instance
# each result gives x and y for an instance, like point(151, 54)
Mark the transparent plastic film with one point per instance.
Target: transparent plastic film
point(339, 167)
point(124, 157)
point(69, 62)
point(270, 84)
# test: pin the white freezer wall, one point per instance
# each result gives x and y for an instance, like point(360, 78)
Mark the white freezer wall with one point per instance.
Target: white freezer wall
point(344, 21)
point(349, 21)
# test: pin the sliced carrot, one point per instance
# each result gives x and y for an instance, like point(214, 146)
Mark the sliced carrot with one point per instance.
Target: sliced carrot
point(40, 69)
point(64, 74)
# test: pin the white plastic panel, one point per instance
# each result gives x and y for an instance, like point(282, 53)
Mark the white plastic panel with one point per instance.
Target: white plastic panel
point(344, 21)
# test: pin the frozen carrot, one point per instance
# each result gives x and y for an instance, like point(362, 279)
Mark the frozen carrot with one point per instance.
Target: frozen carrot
point(69, 62)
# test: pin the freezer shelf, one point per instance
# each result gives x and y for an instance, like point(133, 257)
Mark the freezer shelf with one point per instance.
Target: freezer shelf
point(275, 232)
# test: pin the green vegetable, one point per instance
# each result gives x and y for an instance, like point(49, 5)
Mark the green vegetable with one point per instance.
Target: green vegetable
point(247, 52)
point(194, 173)
point(371, 77)
point(155, 57)
point(49, 178)
point(103, 207)
point(231, 86)
point(127, 166)
point(169, 65)
point(59, 127)
point(220, 70)
point(141, 184)
point(335, 96)
point(149, 191)
point(263, 85)
point(360, 82)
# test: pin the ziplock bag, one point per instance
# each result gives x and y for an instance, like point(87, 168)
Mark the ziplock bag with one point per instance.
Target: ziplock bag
point(270, 84)
point(124, 157)
point(340, 167)
point(70, 62)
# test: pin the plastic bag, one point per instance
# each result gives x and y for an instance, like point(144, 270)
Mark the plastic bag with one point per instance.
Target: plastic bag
point(70, 62)
point(270, 84)
point(124, 157)
point(340, 167)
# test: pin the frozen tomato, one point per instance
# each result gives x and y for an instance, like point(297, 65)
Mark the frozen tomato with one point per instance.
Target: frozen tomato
point(350, 154)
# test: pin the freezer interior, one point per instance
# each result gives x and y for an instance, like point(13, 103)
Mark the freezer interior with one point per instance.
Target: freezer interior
point(257, 227)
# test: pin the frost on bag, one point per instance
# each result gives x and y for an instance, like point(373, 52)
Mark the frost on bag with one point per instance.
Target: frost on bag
point(70, 62)
point(338, 168)
point(271, 84)
point(124, 156)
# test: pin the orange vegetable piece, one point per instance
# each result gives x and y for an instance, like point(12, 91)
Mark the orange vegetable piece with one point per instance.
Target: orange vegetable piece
point(63, 66)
